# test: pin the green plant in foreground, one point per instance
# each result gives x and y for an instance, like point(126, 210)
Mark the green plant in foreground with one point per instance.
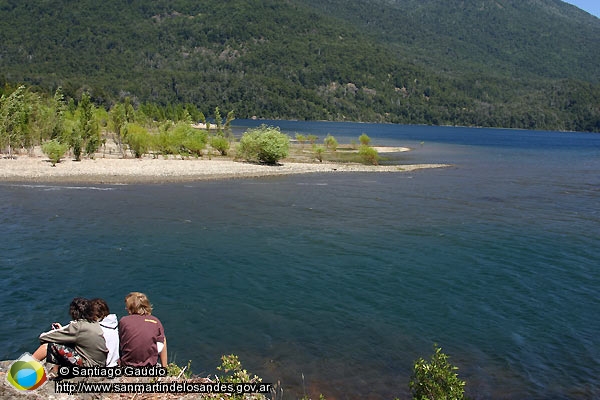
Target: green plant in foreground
point(436, 379)
point(232, 367)
point(54, 150)
point(176, 371)
point(234, 373)
point(321, 397)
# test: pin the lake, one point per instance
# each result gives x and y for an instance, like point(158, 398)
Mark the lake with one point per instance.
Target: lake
point(336, 283)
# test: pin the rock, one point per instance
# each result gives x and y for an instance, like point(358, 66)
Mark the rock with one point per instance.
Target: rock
point(48, 390)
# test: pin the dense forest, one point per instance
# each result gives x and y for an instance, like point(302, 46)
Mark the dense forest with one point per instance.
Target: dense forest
point(531, 64)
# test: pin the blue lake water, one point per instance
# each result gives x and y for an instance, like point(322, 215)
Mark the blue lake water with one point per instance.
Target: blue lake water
point(342, 278)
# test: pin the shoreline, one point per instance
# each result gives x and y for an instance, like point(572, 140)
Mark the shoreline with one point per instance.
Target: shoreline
point(37, 169)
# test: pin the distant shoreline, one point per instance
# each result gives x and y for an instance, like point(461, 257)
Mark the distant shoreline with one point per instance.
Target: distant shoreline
point(100, 170)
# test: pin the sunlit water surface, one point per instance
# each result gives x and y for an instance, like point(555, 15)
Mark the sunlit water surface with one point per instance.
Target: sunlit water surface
point(335, 283)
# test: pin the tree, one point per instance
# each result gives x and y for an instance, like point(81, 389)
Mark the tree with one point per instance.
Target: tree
point(14, 118)
point(202, 119)
point(220, 139)
point(218, 120)
point(117, 119)
point(437, 379)
point(87, 134)
point(75, 142)
point(60, 106)
point(128, 109)
point(264, 144)
point(227, 127)
point(45, 122)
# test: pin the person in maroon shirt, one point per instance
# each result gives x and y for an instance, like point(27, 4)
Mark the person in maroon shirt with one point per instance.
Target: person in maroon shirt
point(141, 335)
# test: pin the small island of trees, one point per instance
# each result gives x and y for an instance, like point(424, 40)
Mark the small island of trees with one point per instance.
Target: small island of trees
point(62, 127)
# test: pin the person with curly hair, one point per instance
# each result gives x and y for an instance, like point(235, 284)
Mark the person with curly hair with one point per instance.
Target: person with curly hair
point(80, 343)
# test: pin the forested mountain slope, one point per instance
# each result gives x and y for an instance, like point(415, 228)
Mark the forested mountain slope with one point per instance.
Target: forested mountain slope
point(531, 38)
point(524, 64)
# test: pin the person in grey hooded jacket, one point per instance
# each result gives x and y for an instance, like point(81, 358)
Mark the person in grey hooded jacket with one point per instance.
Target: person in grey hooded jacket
point(81, 342)
point(110, 329)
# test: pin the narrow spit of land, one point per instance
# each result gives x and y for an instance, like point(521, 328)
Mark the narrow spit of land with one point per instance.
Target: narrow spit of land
point(112, 170)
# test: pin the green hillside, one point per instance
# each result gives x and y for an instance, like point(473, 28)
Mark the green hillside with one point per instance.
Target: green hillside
point(506, 38)
point(522, 64)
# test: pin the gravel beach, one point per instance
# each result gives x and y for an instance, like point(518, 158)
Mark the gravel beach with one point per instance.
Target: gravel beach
point(149, 170)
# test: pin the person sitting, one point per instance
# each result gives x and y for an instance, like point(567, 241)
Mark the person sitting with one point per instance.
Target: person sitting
point(80, 343)
point(141, 335)
point(110, 328)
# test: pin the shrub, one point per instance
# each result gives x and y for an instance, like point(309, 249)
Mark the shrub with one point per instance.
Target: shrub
point(76, 143)
point(165, 142)
point(220, 143)
point(368, 154)
point(264, 144)
point(364, 139)
point(330, 142)
point(54, 150)
point(436, 380)
point(138, 139)
point(178, 372)
point(181, 139)
point(319, 150)
point(235, 374)
point(188, 140)
point(300, 138)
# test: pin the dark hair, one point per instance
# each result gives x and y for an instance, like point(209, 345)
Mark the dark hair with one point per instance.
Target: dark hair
point(80, 308)
point(99, 308)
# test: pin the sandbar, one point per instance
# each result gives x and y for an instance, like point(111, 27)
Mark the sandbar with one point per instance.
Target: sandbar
point(159, 170)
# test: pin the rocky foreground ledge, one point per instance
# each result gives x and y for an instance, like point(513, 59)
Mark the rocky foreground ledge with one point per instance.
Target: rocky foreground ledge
point(49, 389)
point(149, 170)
